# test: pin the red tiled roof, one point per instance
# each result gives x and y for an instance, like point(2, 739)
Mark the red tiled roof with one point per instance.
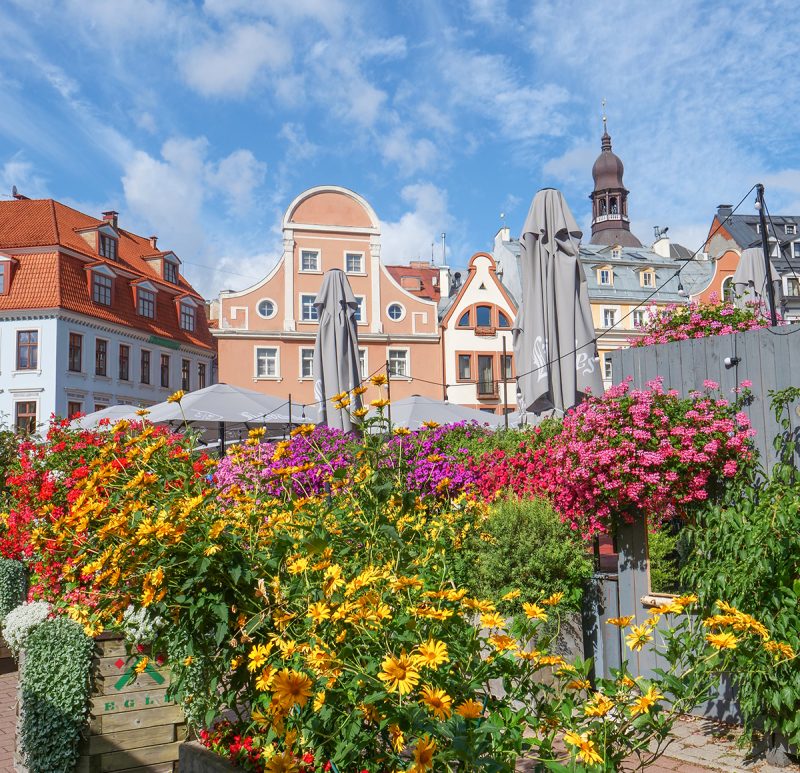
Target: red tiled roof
point(426, 275)
point(55, 279)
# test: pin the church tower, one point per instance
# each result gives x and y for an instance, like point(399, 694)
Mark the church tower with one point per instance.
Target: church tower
point(610, 223)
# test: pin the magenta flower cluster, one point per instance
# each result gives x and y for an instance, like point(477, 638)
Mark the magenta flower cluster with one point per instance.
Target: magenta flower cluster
point(631, 452)
point(699, 320)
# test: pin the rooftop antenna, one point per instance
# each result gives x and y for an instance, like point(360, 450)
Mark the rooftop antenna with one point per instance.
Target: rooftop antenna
point(444, 248)
point(502, 220)
point(605, 120)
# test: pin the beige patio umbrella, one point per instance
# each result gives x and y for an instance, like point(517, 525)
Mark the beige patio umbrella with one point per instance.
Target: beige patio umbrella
point(554, 339)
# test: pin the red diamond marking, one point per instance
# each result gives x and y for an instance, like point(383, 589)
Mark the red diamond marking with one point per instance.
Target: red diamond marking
point(119, 663)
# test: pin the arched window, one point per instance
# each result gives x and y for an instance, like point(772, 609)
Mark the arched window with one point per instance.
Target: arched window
point(602, 206)
point(483, 316)
point(502, 319)
point(727, 289)
point(464, 321)
point(613, 206)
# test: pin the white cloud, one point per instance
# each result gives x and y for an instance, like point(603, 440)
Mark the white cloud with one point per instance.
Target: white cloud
point(410, 154)
point(493, 13)
point(411, 235)
point(573, 166)
point(299, 147)
point(18, 171)
point(227, 64)
point(236, 177)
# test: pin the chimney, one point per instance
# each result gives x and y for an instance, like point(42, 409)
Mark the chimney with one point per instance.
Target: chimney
point(111, 218)
point(153, 241)
point(661, 244)
point(723, 210)
point(444, 281)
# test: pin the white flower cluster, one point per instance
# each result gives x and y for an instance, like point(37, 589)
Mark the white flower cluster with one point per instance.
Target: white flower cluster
point(21, 620)
point(140, 626)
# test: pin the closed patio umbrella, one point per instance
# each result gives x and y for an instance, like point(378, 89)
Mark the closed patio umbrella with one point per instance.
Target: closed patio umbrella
point(336, 361)
point(554, 340)
point(750, 280)
point(413, 412)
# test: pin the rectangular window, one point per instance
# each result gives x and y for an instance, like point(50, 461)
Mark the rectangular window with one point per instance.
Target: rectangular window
point(101, 289)
point(792, 287)
point(146, 303)
point(398, 362)
point(464, 367)
point(266, 362)
point(75, 352)
point(108, 247)
point(307, 363)
point(486, 384)
point(607, 367)
point(638, 318)
point(144, 370)
point(362, 362)
point(605, 276)
point(201, 375)
point(309, 260)
point(354, 263)
point(796, 250)
point(360, 313)
point(170, 272)
point(647, 279)
point(73, 407)
point(790, 228)
point(186, 375)
point(100, 357)
point(100, 406)
point(165, 371)
point(124, 362)
point(3, 277)
point(27, 350)
point(507, 366)
point(187, 317)
point(308, 311)
point(609, 317)
point(25, 416)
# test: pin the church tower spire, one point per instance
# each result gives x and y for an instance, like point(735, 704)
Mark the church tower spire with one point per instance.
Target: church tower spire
point(610, 223)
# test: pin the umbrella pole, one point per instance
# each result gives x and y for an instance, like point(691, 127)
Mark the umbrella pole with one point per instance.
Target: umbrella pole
point(505, 384)
point(765, 246)
point(290, 413)
point(221, 430)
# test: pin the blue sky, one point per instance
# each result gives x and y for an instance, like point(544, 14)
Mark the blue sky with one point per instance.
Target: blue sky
point(201, 121)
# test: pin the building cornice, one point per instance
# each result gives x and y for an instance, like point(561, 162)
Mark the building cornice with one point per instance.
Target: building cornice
point(285, 335)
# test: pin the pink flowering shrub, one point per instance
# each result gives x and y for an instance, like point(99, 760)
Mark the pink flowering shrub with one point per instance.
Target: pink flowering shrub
point(699, 320)
point(627, 453)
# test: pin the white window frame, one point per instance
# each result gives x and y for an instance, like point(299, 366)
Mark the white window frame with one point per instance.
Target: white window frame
point(616, 252)
point(277, 375)
point(407, 375)
point(274, 308)
point(640, 313)
point(190, 312)
point(402, 311)
point(98, 277)
point(789, 282)
point(610, 310)
point(363, 362)
point(154, 294)
point(610, 272)
point(302, 310)
point(362, 308)
point(727, 281)
point(164, 271)
point(790, 229)
point(303, 376)
point(112, 242)
point(608, 368)
point(317, 253)
point(648, 279)
point(362, 264)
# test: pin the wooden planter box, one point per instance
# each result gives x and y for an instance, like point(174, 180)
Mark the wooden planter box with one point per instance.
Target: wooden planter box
point(195, 758)
point(132, 726)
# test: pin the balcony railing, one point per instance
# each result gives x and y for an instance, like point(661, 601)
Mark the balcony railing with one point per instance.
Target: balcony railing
point(487, 388)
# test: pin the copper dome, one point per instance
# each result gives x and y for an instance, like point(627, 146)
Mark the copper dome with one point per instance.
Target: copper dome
point(608, 168)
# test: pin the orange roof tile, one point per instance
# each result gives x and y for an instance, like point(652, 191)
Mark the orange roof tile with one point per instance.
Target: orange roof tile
point(55, 279)
point(426, 275)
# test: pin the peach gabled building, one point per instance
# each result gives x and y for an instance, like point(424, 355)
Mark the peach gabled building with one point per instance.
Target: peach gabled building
point(91, 315)
point(266, 332)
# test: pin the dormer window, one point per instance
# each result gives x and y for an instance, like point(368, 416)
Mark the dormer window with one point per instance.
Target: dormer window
point(605, 277)
point(107, 246)
point(145, 302)
point(647, 278)
point(6, 274)
point(170, 272)
point(187, 317)
point(616, 253)
point(101, 288)
point(790, 228)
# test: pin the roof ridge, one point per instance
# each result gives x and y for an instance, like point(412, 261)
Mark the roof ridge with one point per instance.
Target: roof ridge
point(55, 220)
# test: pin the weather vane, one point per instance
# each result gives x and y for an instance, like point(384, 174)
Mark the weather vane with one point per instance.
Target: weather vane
point(604, 116)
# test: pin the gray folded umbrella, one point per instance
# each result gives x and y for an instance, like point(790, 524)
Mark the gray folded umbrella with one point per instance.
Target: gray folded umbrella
point(554, 338)
point(336, 362)
point(750, 280)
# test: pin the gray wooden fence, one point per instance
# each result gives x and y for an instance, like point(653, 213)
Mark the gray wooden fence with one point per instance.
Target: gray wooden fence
point(770, 359)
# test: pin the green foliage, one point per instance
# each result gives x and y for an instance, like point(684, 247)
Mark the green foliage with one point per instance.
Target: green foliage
point(749, 553)
point(13, 585)
point(524, 545)
point(662, 550)
point(8, 456)
point(55, 689)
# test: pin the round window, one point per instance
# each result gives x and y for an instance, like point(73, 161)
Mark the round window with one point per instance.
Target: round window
point(266, 308)
point(395, 311)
